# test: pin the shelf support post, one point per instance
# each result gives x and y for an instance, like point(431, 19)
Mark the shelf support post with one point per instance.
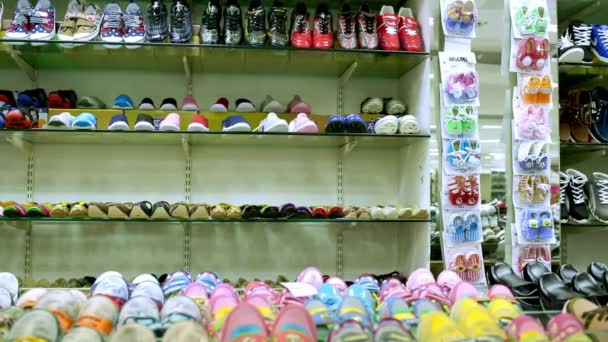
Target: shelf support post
point(29, 71)
point(29, 196)
point(187, 248)
point(188, 74)
point(187, 146)
point(340, 202)
point(342, 81)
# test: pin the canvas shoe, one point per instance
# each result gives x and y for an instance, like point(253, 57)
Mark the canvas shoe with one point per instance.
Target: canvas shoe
point(112, 25)
point(366, 28)
point(599, 42)
point(134, 24)
point(294, 323)
point(123, 101)
point(409, 31)
point(62, 99)
point(271, 105)
point(568, 51)
point(63, 120)
point(88, 23)
point(179, 308)
point(20, 26)
point(119, 122)
point(372, 105)
point(564, 183)
point(189, 103)
point(168, 104)
point(347, 36)
point(322, 34)
point(582, 37)
point(408, 124)
point(598, 196)
point(244, 106)
point(302, 124)
point(157, 28)
point(235, 123)
point(388, 27)
point(42, 19)
point(146, 103)
point(220, 106)
point(63, 305)
point(244, 323)
point(112, 285)
point(133, 332)
point(86, 121)
point(394, 106)
point(576, 196)
point(176, 282)
point(278, 31)
point(210, 26)
point(233, 24)
point(144, 122)
point(68, 26)
point(255, 24)
point(181, 22)
point(301, 34)
point(199, 124)
point(297, 106)
point(172, 122)
point(272, 123)
point(92, 102)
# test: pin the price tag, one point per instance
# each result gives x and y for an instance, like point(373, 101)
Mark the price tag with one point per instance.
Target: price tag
point(300, 289)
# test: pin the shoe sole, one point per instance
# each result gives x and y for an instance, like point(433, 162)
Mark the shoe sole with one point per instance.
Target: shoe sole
point(95, 212)
point(88, 37)
point(167, 106)
point(408, 127)
point(83, 125)
point(373, 106)
point(114, 212)
point(397, 108)
point(240, 127)
point(603, 59)
point(245, 108)
point(279, 127)
point(218, 108)
point(57, 123)
point(166, 127)
point(197, 127)
point(200, 213)
point(138, 213)
point(119, 126)
point(574, 55)
point(146, 106)
point(583, 221)
point(144, 126)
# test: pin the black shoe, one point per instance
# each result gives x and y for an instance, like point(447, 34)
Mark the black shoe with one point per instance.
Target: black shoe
point(277, 25)
point(564, 184)
point(233, 23)
point(69, 96)
point(568, 51)
point(181, 22)
point(554, 293)
point(157, 28)
point(210, 27)
point(255, 26)
point(577, 204)
point(567, 272)
point(8, 97)
point(534, 270)
point(581, 33)
point(598, 270)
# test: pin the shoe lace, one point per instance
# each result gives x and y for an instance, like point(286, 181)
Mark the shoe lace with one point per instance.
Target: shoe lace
point(582, 35)
point(233, 20)
point(180, 16)
point(156, 16)
point(21, 16)
point(37, 17)
point(301, 23)
point(577, 190)
point(324, 23)
point(603, 191)
point(347, 23)
point(603, 36)
point(113, 20)
point(132, 19)
point(210, 20)
point(254, 21)
point(370, 24)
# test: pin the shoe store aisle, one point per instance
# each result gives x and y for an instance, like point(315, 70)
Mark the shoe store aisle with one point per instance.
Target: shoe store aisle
point(583, 131)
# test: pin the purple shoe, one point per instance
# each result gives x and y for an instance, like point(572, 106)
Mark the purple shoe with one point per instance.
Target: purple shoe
point(302, 213)
point(546, 226)
point(530, 225)
point(311, 276)
point(288, 210)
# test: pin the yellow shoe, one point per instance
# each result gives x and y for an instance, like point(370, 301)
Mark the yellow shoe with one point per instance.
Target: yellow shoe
point(480, 325)
point(437, 327)
point(504, 311)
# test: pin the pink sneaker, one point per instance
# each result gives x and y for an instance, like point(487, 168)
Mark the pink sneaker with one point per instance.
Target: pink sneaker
point(225, 290)
point(338, 283)
point(302, 124)
point(501, 292)
point(298, 106)
point(244, 324)
point(311, 276)
point(221, 105)
point(447, 280)
point(258, 288)
point(466, 290)
point(264, 306)
point(199, 124)
point(420, 278)
point(565, 327)
point(189, 103)
point(294, 324)
point(221, 307)
point(172, 122)
point(526, 327)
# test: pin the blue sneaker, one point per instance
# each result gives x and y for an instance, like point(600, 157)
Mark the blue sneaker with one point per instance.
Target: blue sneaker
point(355, 124)
point(85, 121)
point(123, 101)
point(330, 296)
point(209, 280)
point(353, 309)
point(235, 123)
point(599, 42)
point(335, 124)
point(176, 282)
point(364, 295)
point(119, 122)
point(369, 282)
point(599, 117)
point(324, 319)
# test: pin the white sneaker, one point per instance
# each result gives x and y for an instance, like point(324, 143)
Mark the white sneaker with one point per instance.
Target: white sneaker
point(270, 105)
point(302, 124)
point(272, 123)
point(377, 213)
point(63, 120)
point(394, 107)
point(391, 213)
point(387, 125)
point(408, 124)
point(372, 105)
point(9, 282)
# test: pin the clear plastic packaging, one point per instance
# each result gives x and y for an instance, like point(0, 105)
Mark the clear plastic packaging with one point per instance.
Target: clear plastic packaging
point(531, 157)
point(530, 18)
point(467, 261)
point(530, 55)
point(532, 122)
point(523, 254)
point(462, 192)
point(531, 190)
point(535, 89)
point(462, 156)
point(460, 121)
point(535, 226)
point(459, 18)
point(459, 79)
point(462, 227)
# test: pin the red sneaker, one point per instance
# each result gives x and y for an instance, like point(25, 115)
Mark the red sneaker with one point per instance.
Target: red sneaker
point(301, 36)
point(323, 34)
point(199, 124)
point(388, 26)
point(409, 31)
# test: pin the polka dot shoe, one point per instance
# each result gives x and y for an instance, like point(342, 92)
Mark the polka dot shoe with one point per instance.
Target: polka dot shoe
point(134, 24)
point(112, 28)
point(20, 26)
point(42, 20)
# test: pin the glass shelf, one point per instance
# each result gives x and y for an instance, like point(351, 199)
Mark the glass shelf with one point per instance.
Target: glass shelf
point(317, 140)
point(161, 56)
point(576, 147)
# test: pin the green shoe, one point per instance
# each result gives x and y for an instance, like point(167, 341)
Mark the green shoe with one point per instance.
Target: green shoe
point(524, 21)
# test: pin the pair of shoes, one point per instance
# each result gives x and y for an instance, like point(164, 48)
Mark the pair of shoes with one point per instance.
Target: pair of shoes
point(536, 90)
point(147, 210)
point(211, 32)
point(352, 123)
point(29, 22)
point(320, 36)
point(461, 17)
point(66, 120)
point(574, 45)
point(35, 98)
point(172, 122)
point(398, 31)
point(20, 118)
point(118, 27)
point(82, 22)
point(580, 199)
point(301, 124)
point(157, 29)
point(390, 124)
point(62, 99)
point(296, 106)
point(584, 126)
point(188, 103)
point(376, 105)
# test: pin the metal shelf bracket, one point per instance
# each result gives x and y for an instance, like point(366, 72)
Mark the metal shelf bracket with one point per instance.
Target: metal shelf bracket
point(342, 81)
point(188, 74)
point(31, 73)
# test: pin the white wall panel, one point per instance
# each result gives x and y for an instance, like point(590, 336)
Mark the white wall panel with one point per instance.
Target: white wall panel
point(13, 173)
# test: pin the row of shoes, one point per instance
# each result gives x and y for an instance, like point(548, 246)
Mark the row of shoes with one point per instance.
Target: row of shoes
point(581, 41)
point(222, 211)
point(581, 199)
point(576, 122)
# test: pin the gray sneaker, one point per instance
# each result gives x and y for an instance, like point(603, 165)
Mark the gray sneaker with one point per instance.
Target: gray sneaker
point(598, 196)
point(564, 183)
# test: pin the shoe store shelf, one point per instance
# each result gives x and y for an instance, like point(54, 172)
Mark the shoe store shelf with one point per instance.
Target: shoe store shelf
point(99, 55)
point(105, 137)
point(575, 147)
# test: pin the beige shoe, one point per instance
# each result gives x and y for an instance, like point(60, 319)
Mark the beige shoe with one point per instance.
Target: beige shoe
point(406, 213)
point(98, 210)
point(180, 210)
point(88, 23)
point(119, 210)
point(420, 214)
point(218, 212)
point(199, 211)
point(66, 29)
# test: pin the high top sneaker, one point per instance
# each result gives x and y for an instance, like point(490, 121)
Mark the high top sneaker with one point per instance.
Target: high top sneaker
point(255, 26)
point(210, 26)
point(564, 183)
point(388, 27)
point(409, 31)
point(569, 52)
point(277, 25)
point(157, 28)
point(582, 38)
point(134, 23)
point(233, 23)
point(322, 35)
point(576, 196)
point(181, 22)
point(347, 38)
point(366, 28)
point(599, 196)
point(42, 19)
point(20, 26)
point(301, 35)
